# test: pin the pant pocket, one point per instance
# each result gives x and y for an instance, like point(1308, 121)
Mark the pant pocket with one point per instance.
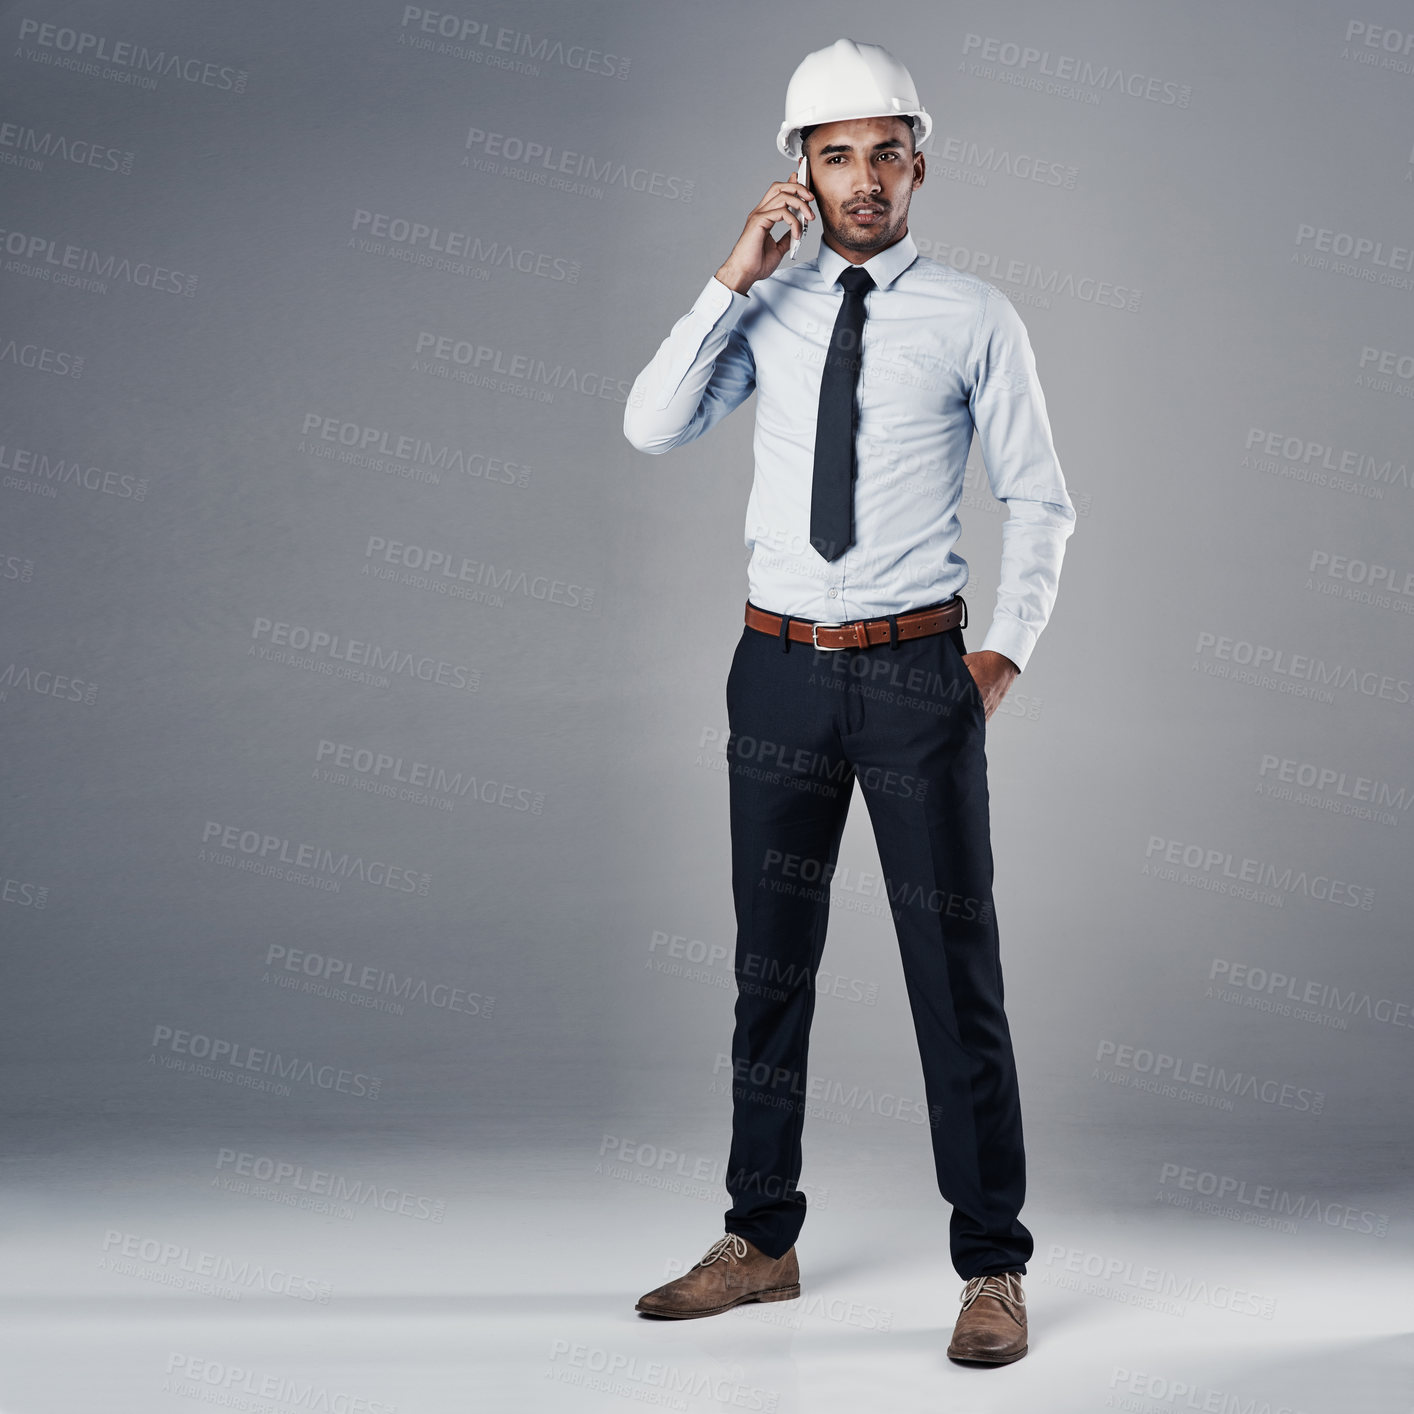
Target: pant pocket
point(735, 671)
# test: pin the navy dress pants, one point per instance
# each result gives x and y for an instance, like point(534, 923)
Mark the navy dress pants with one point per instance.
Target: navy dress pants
point(907, 723)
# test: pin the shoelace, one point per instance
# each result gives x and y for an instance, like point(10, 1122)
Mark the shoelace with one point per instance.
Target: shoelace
point(1005, 1286)
point(725, 1248)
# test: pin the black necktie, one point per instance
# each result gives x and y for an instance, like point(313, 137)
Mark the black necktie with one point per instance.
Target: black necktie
point(832, 491)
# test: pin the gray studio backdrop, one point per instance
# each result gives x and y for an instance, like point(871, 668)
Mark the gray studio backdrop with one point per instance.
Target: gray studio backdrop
point(362, 689)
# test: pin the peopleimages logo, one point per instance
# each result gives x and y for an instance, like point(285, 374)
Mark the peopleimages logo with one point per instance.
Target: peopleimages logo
point(502, 46)
point(1321, 463)
point(1040, 281)
point(1029, 67)
point(1268, 1198)
point(445, 247)
point(48, 258)
point(1165, 1286)
point(653, 1382)
point(222, 1058)
point(211, 1381)
point(49, 471)
point(1182, 1394)
point(1280, 989)
point(42, 359)
point(1222, 865)
point(788, 1088)
point(424, 780)
point(23, 893)
point(1361, 581)
point(1302, 668)
point(1379, 46)
point(344, 978)
point(135, 62)
point(401, 454)
point(43, 682)
point(1387, 362)
point(16, 567)
point(325, 1183)
point(266, 853)
point(435, 564)
point(24, 146)
point(559, 168)
point(1354, 255)
point(1201, 1075)
point(1334, 789)
point(193, 1267)
point(985, 159)
point(320, 649)
point(513, 371)
point(1357, 247)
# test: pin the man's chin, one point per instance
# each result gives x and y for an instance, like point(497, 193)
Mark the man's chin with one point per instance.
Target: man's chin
point(864, 238)
point(853, 236)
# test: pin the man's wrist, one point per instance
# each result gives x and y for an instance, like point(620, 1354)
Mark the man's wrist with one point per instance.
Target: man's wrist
point(1010, 638)
point(993, 653)
point(734, 280)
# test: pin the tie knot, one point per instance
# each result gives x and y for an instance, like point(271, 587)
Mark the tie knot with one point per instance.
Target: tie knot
point(856, 280)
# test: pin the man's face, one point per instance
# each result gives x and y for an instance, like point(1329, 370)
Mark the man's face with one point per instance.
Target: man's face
point(863, 172)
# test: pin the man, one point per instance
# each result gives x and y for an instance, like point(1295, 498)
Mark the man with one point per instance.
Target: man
point(872, 367)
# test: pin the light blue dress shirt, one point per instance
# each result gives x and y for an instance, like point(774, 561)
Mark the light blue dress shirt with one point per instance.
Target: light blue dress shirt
point(943, 352)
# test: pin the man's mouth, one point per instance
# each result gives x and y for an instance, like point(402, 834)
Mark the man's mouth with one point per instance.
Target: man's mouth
point(866, 213)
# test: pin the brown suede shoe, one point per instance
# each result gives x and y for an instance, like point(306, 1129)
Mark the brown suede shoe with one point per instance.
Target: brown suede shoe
point(731, 1273)
point(991, 1328)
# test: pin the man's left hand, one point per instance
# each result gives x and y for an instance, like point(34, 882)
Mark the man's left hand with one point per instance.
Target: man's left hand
point(993, 673)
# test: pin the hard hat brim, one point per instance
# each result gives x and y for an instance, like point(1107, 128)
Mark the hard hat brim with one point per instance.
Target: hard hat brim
point(788, 139)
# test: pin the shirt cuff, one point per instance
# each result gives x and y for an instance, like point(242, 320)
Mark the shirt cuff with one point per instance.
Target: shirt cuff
point(716, 296)
point(1012, 638)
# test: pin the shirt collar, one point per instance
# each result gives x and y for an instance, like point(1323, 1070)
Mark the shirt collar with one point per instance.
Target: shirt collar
point(883, 268)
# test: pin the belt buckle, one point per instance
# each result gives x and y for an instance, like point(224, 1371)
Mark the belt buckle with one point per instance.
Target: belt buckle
point(824, 647)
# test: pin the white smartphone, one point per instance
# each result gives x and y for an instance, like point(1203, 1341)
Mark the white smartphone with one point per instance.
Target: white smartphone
point(800, 175)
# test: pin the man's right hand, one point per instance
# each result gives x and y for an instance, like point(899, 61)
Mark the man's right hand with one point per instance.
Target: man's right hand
point(757, 253)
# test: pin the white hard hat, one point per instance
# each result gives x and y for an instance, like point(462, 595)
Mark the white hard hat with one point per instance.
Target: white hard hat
point(849, 80)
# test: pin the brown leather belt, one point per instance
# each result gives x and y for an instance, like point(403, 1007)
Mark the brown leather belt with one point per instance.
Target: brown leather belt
point(860, 633)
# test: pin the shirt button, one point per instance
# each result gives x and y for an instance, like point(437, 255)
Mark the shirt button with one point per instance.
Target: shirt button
point(834, 594)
